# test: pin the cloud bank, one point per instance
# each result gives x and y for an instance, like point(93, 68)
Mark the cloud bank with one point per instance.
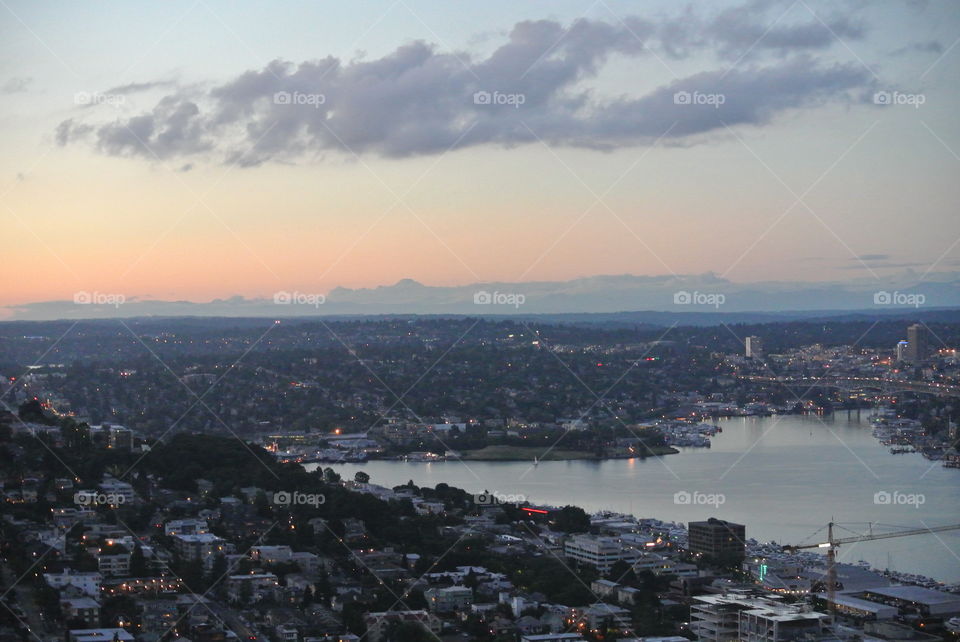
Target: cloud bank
point(542, 84)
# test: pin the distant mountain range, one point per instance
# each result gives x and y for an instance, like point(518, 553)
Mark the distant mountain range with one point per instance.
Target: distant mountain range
point(696, 299)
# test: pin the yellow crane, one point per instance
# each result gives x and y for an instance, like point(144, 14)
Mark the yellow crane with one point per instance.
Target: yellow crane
point(833, 543)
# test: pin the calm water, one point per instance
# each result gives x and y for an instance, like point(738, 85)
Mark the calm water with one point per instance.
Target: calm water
point(784, 477)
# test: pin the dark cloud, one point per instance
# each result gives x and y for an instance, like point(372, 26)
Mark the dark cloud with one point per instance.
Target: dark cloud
point(69, 131)
point(929, 46)
point(417, 100)
point(757, 27)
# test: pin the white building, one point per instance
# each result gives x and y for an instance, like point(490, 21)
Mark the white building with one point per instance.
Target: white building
point(118, 488)
point(89, 583)
point(186, 527)
point(754, 347)
point(448, 599)
point(200, 547)
point(600, 552)
point(271, 554)
point(736, 616)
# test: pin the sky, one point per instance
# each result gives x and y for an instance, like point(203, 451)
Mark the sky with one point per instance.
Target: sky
point(205, 149)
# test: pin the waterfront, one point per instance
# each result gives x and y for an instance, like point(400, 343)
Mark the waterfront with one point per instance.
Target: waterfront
point(782, 476)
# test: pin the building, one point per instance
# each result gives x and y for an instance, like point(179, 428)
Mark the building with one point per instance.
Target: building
point(116, 488)
point(717, 538)
point(199, 547)
point(251, 587)
point(753, 347)
point(603, 588)
point(902, 350)
point(741, 616)
point(99, 635)
point(113, 561)
point(553, 637)
point(120, 438)
point(379, 623)
point(918, 342)
point(271, 554)
point(448, 599)
point(914, 600)
point(185, 527)
point(601, 615)
point(88, 583)
point(862, 610)
point(600, 552)
point(81, 609)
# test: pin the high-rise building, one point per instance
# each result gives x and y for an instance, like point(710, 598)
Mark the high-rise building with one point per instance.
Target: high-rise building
point(754, 347)
point(717, 538)
point(902, 350)
point(917, 343)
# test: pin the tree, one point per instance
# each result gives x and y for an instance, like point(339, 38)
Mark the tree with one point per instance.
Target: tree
point(217, 570)
point(361, 477)
point(409, 632)
point(330, 476)
point(572, 519)
point(138, 563)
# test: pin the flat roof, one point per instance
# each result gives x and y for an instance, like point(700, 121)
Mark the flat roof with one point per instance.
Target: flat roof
point(916, 594)
point(861, 605)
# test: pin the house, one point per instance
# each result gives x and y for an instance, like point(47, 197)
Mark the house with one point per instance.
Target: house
point(271, 554)
point(88, 583)
point(378, 623)
point(83, 609)
point(252, 586)
point(448, 599)
point(603, 588)
point(185, 527)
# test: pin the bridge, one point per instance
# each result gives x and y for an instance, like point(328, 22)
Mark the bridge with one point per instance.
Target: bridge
point(881, 384)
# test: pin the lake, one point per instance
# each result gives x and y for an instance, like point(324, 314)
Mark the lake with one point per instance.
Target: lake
point(784, 477)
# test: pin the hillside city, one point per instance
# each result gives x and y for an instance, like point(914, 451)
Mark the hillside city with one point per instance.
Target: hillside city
point(166, 499)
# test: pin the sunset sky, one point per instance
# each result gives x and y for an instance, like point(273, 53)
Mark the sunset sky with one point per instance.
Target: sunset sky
point(145, 150)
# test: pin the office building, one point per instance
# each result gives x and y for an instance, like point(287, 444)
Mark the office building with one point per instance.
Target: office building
point(717, 538)
point(918, 342)
point(754, 347)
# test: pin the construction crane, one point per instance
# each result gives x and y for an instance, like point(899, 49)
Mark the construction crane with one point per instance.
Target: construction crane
point(833, 543)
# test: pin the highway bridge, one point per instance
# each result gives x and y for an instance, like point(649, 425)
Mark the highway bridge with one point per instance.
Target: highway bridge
point(880, 384)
